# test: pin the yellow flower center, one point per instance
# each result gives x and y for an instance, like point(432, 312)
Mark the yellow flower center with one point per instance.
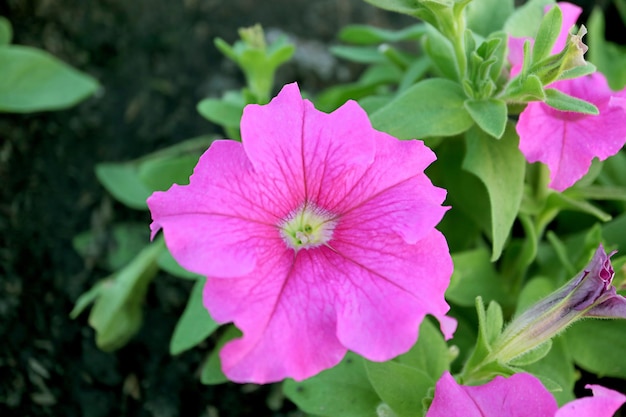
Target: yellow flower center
point(307, 227)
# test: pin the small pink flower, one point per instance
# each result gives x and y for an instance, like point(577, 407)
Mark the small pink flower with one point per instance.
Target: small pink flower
point(521, 395)
point(317, 234)
point(565, 141)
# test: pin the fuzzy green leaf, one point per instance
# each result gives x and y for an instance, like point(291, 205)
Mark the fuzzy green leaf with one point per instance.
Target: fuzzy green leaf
point(565, 102)
point(33, 80)
point(432, 107)
point(501, 167)
point(341, 391)
point(195, 324)
point(489, 114)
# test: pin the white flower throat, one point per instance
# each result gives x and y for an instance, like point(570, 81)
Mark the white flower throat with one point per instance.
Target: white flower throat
point(307, 227)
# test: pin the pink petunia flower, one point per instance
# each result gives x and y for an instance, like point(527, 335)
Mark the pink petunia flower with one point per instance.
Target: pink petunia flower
point(317, 234)
point(521, 395)
point(566, 141)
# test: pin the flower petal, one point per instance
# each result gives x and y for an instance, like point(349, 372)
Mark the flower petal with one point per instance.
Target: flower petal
point(568, 141)
point(521, 395)
point(286, 311)
point(394, 193)
point(210, 224)
point(604, 403)
point(389, 287)
point(320, 156)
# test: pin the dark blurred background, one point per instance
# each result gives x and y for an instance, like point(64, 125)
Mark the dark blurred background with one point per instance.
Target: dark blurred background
point(155, 60)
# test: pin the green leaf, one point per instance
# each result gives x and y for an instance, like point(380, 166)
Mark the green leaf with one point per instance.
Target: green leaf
point(212, 370)
point(474, 275)
point(487, 16)
point(399, 386)
point(489, 114)
point(432, 107)
point(410, 7)
point(598, 346)
point(547, 34)
point(369, 83)
point(609, 57)
point(533, 355)
point(430, 354)
point(167, 262)
point(557, 365)
point(159, 174)
point(6, 31)
point(123, 182)
point(533, 291)
point(117, 313)
point(565, 102)
point(360, 54)
point(370, 35)
point(562, 201)
point(195, 324)
point(123, 242)
point(440, 51)
point(221, 112)
point(501, 167)
point(342, 391)
point(33, 80)
point(133, 182)
point(525, 20)
point(467, 195)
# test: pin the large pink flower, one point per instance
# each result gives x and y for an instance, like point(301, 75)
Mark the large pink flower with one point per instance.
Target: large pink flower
point(565, 141)
point(317, 234)
point(521, 395)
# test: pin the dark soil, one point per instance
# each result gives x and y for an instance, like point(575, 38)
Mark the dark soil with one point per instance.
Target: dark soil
point(155, 60)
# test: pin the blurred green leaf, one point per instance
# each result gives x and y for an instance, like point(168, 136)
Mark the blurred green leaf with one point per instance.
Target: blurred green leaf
point(562, 201)
point(6, 31)
point(167, 262)
point(489, 114)
point(440, 51)
point(370, 35)
point(341, 391)
point(399, 386)
point(212, 370)
point(123, 182)
point(123, 243)
point(565, 102)
point(33, 80)
point(373, 78)
point(487, 16)
point(548, 32)
point(609, 57)
point(134, 181)
point(598, 346)
point(432, 107)
point(430, 354)
point(195, 324)
point(409, 7)
point(525, 20)
point(221, 112)
point(475, 275)
point(360, 54)
point(557, 366)
point(160, 174)
point(117, 312)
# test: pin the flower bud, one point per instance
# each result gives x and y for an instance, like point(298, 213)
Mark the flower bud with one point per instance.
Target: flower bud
point(588, 294)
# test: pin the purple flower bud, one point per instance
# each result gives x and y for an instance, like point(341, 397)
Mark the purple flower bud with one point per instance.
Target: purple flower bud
point(588, 294)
